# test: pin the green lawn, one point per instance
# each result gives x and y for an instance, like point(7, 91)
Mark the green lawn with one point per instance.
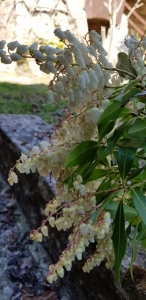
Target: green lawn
point(29, 99)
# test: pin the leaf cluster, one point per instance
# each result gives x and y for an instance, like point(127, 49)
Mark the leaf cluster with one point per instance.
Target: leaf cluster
point(116, 160)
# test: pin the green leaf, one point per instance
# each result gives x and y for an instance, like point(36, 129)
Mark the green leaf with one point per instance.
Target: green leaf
point(139, 201)
point(130, 85)
point(142, 234)
point(80, 153)
point(110, 113)
point(97, 174)
point(104, 129)
point(124, 98)
point(134, 250)
point(143, 244)
point(131, 143)
point(134, 173)
point(124, 112)
point(106, 201)
point(119, 239)
point(124, 63)
point(116, 135)
point(129, 212)
point(102, 153)
point(125, 161)
point(138, 129)
point(113, 110)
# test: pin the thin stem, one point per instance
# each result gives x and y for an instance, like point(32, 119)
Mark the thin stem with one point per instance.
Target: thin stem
point(121, 71)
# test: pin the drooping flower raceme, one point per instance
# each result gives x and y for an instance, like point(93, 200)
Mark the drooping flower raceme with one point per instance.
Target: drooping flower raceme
point(84, 77)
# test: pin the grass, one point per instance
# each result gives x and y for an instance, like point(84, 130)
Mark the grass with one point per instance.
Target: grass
point(29, 99)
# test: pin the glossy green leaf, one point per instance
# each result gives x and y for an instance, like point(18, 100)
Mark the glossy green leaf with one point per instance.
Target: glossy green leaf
point(143, 244)
point(129, 212)
point(97, 174)
point(134, 250)
point(122, 99)
point(131, 143)
point(119, 239)
point(130, 85)
point(110, 113)
point(124, 63)
point(116, 135)
point(139, 201)
point(138, 129)
point(80, 153)
point(142, 234)
point(113, 110)
point(125, 161)
point(102, 153)
point(134, 173)
point(104, 129)
point(124, 112)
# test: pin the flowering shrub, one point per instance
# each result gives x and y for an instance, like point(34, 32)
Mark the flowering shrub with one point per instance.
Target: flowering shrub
point(97, 153)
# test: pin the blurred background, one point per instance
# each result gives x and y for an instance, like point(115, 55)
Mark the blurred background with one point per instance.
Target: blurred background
point(22, 84)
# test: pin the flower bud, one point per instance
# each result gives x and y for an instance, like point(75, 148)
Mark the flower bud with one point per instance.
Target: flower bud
point(2, 52)
point(22, 49)
point(79, 254)
point(33, 47)
point(94, 35)
point(2, 44)
point(57, 98)
point(92, 76)
point(68, 56)
point(48, 50)
point(12, 45)
point(59, 87)
point(35, 150)
point(49, 66)
point(105, 103)
point(71, 38)
point(83, 48)
point(59, 33)
point(52, 58)
point(50, 96)
point(38, 237)
point(60, 271)
point(92, 51)
point(6, 60)
point(76, 185)
point(15, 57)
point(38, 55)
point(12, 178)
point(97, 69)
point(44, 230)
point(63, 60)
point(81, 81)
point(51, 221)
point(23, 158)
point(78, 93)
point(70, 71)
point(71, 95)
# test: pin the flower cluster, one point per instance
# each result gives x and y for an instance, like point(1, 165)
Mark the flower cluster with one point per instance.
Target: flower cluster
point(84, 77)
